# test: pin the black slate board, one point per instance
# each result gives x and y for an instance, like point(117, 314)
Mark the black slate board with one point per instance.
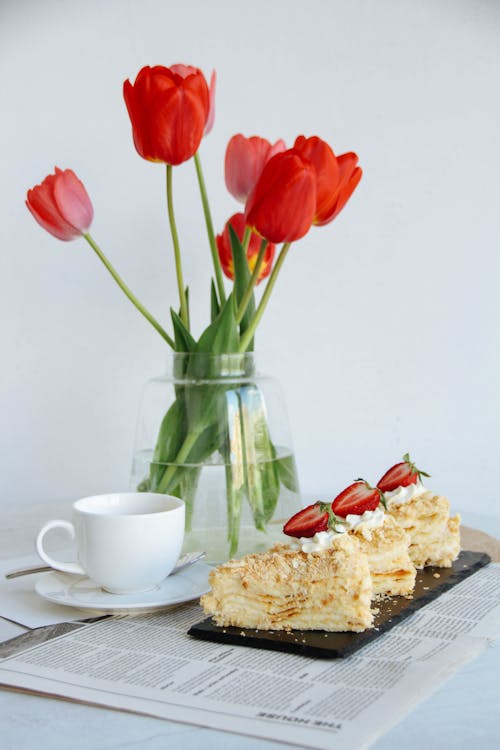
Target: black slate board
point(319, 643)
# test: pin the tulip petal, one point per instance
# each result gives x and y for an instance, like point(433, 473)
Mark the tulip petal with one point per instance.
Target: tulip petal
point(183, 70)
point(41, 204)
point(350, 175)
point(237, 167)
point(73, 201)
point(211, 111)
point(348, 190)
point(282, 204)
point(328, 174)
point(245, 159)
point(276, 148)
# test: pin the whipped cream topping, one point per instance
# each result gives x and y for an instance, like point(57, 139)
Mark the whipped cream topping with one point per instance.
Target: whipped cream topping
point(370, 519)
point(404, 494)
point(323, 540)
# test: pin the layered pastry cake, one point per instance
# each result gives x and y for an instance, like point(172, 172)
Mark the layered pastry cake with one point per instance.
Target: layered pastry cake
point(434, 535)
point(364, 544)
point(286, 588)
point(387, 550)
point(358, 511)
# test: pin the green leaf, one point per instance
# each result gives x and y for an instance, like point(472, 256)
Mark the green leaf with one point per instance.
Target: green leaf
point(262, 479)
point(221, 336)
point(170, 438)
point(287, 472)
point(235, 475)
point(184, 342)
point(214, 302)
point(207, 443)
point(171, 433)
point(241, 280)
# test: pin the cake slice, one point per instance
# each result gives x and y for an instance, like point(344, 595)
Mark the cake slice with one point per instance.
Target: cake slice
point(387, 549)
point(285, 589)
point(434, 536)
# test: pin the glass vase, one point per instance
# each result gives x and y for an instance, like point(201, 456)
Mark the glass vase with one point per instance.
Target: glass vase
point(214, 432)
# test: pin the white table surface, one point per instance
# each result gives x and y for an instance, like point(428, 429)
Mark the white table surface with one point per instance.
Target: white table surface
point(463, 713)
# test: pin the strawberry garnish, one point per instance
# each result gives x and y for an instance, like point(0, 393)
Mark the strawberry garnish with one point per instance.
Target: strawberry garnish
point(356, 499)
point(401, 475)
point(309, 521)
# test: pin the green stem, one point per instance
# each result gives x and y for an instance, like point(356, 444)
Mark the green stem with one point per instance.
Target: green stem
point(177, 249)
point(249, 333)
point(251, 284)
point(181, 457)
point(128, 292)
point(246, 238)
point(210, 230)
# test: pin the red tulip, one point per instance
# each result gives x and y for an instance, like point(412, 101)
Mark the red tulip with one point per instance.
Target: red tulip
point(335, 178)
point(61, 205)
point(282, 204)
point(223, 240)
point(169, 109)
point(245, 160)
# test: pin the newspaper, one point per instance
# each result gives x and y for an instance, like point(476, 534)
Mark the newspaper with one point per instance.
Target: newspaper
point(149, 665)
point(20, 604)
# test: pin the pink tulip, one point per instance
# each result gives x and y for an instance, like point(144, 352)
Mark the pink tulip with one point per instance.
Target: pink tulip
point(245, 160)
point(61, 205)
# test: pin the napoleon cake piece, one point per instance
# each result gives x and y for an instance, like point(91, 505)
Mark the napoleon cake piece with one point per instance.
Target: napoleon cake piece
point(434, 536)
point(357, 511)
point(387, 549)
point(287, 589)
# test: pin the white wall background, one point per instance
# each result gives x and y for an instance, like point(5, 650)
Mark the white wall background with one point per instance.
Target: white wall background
point(384, 326)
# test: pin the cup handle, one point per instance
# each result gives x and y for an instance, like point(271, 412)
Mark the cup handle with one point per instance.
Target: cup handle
point(66, 567)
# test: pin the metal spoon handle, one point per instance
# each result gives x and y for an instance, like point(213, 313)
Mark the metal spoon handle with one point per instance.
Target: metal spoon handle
point(27, 571)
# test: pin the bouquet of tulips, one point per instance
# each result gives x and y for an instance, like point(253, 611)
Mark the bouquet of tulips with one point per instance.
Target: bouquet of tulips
point(285, 191)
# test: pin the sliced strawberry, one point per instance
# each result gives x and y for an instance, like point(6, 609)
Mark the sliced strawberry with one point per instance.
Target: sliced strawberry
point(356, 498)
point(307, 522)
point(401, 475)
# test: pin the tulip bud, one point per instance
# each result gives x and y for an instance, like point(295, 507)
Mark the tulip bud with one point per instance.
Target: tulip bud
point(61, 205)
point(237, 221)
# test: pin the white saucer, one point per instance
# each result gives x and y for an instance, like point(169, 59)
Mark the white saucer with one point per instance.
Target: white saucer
point(82, 592)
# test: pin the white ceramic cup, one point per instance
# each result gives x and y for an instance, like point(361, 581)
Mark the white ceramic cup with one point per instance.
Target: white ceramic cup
point(126, 542)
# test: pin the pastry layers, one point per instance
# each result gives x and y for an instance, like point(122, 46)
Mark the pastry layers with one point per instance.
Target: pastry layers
point(285, 589)
point(434, 536)
point(387, 549)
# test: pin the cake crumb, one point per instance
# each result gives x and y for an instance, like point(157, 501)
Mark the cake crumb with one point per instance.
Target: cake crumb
point(436, 575)
point(242, 632)
point(426, 588)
